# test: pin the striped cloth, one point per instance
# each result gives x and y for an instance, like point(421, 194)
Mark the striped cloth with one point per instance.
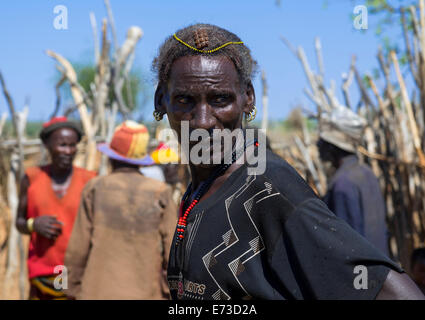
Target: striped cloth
point(42, 288)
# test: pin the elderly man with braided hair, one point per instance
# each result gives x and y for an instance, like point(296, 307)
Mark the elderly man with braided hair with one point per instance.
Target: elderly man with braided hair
point(243, 233)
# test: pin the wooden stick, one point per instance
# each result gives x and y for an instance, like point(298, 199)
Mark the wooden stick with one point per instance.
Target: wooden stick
point(412, 122)
point(265, 101)
point(123, 64)
point(82, 108)
point(14, 116)
point(13, 242)
point(348, 81)
point(2, 121)
point(96, 40)
point(416, 36)
point(289, 45)
point(381, 104)
point(410, 58)
point(363, 90)
point(58, 96)
point(112, 23)
point(318, 47)
point(309, 162)
point(102, 79)
point(422, 29)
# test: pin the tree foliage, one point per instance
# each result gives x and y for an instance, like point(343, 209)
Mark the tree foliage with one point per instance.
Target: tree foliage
point(136, 90)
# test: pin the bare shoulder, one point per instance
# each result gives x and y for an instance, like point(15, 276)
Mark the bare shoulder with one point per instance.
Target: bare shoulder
point(399, 286)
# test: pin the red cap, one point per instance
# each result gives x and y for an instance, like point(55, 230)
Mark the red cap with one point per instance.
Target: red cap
point(54, 120)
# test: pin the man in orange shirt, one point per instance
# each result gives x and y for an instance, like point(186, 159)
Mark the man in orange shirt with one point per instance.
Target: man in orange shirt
point(48, 204)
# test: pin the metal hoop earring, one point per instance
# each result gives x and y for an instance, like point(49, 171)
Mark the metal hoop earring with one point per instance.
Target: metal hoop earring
point(251, 116)
point(157, 115)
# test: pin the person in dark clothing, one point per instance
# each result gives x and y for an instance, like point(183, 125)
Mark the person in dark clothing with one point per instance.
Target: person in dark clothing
point(251, 234)
point(354, 194)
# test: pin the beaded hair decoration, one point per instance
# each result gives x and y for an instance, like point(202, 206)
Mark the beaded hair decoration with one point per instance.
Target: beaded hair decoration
point(200, 37)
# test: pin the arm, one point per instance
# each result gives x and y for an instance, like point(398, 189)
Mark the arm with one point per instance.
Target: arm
point(47, 226)
point(399, 286)
point(323, 249)
point(21, 219)
point(79, 245)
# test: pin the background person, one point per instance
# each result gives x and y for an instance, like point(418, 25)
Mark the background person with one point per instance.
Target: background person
point(354, 193)
point(48, 203)
point(121, 239)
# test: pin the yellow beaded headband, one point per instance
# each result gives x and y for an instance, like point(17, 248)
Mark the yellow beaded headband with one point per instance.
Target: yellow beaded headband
point(204, 42)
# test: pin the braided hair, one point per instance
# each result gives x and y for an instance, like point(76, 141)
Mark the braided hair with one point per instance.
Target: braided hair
point(205, 37)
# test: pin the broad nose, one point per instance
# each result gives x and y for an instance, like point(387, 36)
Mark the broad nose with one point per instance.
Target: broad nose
point(203, 117)
point(68, 150)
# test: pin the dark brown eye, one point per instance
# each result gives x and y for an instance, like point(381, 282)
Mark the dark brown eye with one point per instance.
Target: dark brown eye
point(221, 99)
point(183, 100)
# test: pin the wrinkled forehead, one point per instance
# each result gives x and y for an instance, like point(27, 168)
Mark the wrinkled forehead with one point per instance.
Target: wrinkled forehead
point(62, 134)
point(201, 71)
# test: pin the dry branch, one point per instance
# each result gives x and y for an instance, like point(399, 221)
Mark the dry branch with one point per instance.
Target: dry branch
point(265, 101)
point(412, 122)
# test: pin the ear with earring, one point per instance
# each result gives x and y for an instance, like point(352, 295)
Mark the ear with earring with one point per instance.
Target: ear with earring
point(251, 115)
point(157, 115)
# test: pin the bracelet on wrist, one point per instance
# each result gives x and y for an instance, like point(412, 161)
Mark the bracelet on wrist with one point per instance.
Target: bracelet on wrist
point(30, 224)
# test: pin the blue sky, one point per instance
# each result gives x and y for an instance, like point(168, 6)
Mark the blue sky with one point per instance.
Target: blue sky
point(26, 31)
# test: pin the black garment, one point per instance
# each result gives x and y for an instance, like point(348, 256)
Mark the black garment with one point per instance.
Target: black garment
point(270, 237)
point(355, 196)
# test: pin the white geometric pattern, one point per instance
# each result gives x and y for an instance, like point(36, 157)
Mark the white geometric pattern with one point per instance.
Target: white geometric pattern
point(231, 238)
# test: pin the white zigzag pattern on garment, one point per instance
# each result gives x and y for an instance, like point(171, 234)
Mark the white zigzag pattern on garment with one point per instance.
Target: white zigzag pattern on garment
point(206, 259)
point(256, 244)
